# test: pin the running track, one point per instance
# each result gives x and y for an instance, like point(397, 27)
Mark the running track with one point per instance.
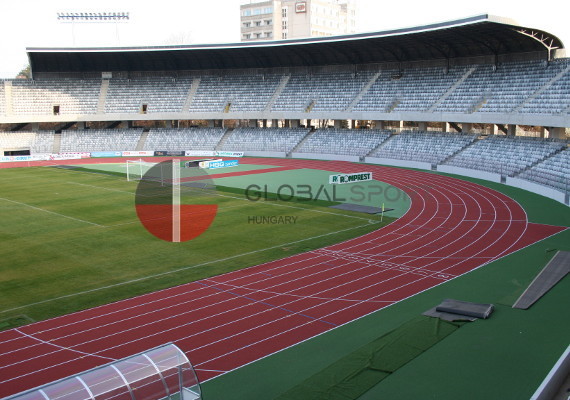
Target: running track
point(225, 322)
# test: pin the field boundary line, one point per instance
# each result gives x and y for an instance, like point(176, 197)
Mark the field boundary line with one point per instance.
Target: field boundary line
point(178, 270)
point(52, 212)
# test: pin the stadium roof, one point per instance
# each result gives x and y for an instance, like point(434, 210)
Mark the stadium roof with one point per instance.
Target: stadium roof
point(481, 35)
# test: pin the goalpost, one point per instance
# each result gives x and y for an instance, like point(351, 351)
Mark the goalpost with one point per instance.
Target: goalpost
point(138, 169)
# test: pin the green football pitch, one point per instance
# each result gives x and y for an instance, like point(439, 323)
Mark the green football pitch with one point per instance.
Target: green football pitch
point(70, 239)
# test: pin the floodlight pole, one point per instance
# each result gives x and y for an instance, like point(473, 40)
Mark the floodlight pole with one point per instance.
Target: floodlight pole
point(93, 17)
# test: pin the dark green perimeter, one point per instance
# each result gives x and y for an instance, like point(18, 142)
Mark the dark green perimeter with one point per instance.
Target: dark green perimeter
point(121, 168)
point(504, 357)
point(71, 240)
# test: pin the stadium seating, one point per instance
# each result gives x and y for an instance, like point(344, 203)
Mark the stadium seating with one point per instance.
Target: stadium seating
point(264, 139)
point(506, 155)
point(351, 142)
point(321, 92)
point(555, 99)
point(409, 90)
point(72, 97)
point(100, 140)
point(234, 93)
point(158, 94)
point(514, 87)
point(2, 98)
point(184, 139)
point(499, 89)
point(36, 142)
point(430, 147)
point(553, 172)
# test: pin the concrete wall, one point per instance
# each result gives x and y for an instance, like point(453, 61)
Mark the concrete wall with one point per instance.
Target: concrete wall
point(398, 163)
point(277, 154)
point(552, 383)
point(335, 157)
point(472, 173)
point(538, 189)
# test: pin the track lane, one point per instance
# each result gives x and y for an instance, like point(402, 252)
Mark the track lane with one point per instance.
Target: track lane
point(404, 258)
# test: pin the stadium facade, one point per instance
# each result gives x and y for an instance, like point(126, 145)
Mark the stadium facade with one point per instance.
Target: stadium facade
point(502, 73)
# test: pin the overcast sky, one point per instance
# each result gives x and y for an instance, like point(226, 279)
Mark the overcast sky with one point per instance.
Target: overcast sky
point(33, 23)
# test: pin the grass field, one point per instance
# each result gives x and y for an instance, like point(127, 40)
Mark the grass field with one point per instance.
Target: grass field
point(70, 239)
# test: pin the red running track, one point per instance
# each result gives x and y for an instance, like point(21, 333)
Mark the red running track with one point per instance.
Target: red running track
point(225, 322)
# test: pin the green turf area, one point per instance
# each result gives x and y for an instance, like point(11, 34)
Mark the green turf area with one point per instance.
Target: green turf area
point(71, 240)
point(121, 168)
point(313, 185)
point(505, 357)
point(358, 372)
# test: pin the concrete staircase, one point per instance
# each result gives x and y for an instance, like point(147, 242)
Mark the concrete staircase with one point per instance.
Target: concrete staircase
point(452, 89)
point(224, 138)
point(8, 97)
point(102, 96)
point(273, 99)
point(142, 140)
point(457, 152)
point(191, 94)
point(378, 146)
point(301, 142)
point(56, 143)
point(362, 92)
point(542, 89)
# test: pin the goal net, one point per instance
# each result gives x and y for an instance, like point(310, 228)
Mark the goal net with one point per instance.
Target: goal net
point(140, 169)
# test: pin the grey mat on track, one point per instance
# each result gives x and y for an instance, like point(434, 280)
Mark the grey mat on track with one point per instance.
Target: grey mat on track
point(432, 312)
point(361, 208)
point(554, 271)
point(465, 308)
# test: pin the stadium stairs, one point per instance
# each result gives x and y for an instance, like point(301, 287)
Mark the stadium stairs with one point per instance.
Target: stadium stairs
point(452, 89)
point(457, 152)
point(301, 142)
point(142, 140)
point(275, 96)
point(227, 134)
point(538, 162)
point(542, 89)
point(363, 92)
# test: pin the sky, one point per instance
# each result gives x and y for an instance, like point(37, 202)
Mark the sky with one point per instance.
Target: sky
point(33, 23)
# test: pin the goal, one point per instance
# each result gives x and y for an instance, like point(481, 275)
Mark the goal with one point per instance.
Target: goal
point(139, 169)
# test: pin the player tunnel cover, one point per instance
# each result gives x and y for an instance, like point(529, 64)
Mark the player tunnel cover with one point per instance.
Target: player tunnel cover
point(174, 203)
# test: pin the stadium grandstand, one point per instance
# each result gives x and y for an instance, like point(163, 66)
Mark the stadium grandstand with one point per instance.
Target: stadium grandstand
point(481, 97)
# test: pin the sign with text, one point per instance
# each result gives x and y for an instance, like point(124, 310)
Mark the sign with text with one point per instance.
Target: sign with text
point(350, 178)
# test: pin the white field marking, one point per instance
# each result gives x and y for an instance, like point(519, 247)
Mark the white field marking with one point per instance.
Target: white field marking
point(232, 321)
point(52, 212)
point(280, 283)
point(325, 316)
point(346, 307)
point(142, 314)
point(365, 315)
point(472, 187)
point(162, 298)
point(218, 291)
point(179, 269)
point(402, 300)
point(209, 370)
point(62, 347)
point(289, 206)
point(220, 209)
point(102, 188)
